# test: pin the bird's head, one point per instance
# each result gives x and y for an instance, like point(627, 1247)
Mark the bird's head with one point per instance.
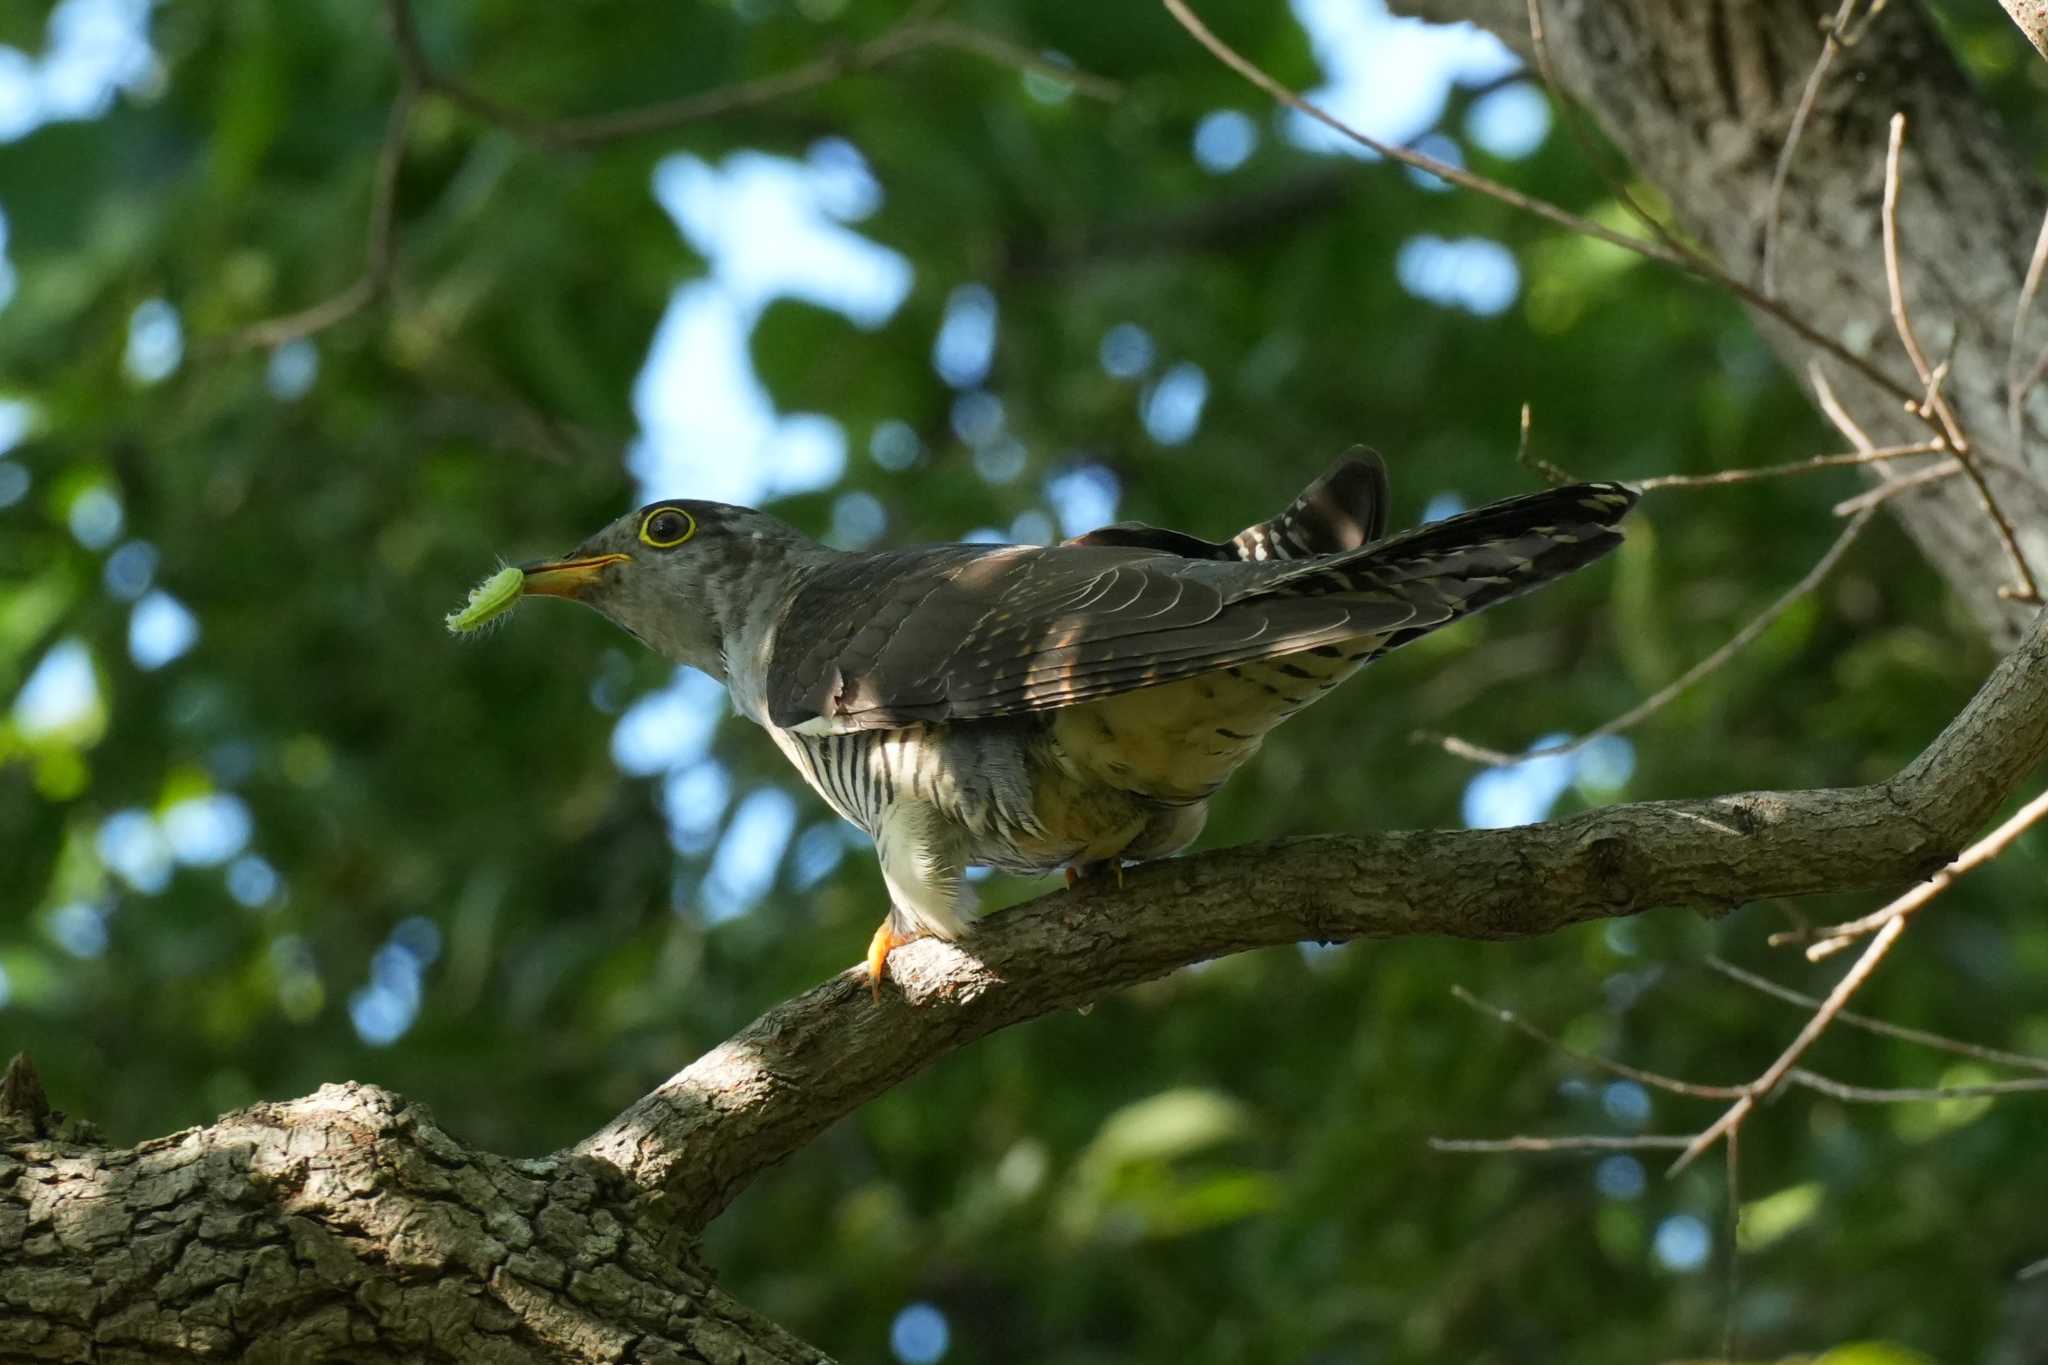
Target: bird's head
point(685, 577)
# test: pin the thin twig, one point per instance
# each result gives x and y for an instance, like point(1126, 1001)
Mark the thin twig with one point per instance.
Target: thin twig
point(1665, 695)
point(1773, 204)
point(1932, 1094)
point(1902, 319)
point(1891, 488)
point(1696, 266)
point(380, 255)
point(1622, 1069)
point(1824, 394)
point(1882, 1027)
point(2034, 373)
point(1649, 1143)
point(1732, 1281)
point(2016, 388)
point(1731, 1119)
point(1840, 936)
point(1934, 405)
point(2037, 1268)
point(914, 33)
point(1810, 1080)
point(1569, 113)
point(1934, 446)
point(1003, 52)
point(1527, 458)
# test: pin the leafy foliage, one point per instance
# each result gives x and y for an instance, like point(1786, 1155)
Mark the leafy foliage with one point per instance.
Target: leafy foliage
point(1227, 1165)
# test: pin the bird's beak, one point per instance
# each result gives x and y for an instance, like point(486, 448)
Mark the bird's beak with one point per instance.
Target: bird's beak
point(566, 577)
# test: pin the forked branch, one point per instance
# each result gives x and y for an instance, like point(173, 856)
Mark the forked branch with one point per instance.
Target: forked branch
point(702, 1136)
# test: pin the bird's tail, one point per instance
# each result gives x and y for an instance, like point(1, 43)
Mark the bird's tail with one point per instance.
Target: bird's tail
point(1468, 562)
point(1344, 509)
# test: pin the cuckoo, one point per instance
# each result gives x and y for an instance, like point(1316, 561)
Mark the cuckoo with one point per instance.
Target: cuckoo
point(1034, 708)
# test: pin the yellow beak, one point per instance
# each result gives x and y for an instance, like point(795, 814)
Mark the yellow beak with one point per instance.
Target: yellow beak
point(566, 577)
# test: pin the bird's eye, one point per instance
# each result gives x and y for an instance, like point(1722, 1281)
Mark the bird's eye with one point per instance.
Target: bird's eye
point(667, 527)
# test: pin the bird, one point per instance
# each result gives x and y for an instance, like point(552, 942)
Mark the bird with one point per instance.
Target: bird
point(1038, 708)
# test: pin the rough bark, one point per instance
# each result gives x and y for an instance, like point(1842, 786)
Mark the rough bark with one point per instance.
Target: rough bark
point(2032, 18)
point(1700, 99)
point(349, 1226)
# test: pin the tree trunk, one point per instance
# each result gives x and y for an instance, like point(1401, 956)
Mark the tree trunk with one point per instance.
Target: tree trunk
point(1701, 97)
point(347, 1226)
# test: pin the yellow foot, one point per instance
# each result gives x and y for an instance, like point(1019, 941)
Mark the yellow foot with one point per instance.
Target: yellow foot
point(885, 941)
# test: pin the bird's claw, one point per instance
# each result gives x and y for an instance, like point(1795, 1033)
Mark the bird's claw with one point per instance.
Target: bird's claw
point(1080, 872)
point(885, 941)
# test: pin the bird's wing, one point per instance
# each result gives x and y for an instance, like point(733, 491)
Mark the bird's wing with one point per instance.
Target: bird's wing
point(971, 632)
point(945, 635)
point(1345, 508)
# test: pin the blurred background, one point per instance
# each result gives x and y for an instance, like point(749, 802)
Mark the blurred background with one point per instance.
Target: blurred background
point(263, 824)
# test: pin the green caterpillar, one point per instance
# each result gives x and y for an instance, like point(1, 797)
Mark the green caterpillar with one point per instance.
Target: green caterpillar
point(488, 600)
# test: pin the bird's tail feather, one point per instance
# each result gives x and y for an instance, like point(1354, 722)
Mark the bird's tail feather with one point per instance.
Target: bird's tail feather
point(1344, 509)
point(1468, 562)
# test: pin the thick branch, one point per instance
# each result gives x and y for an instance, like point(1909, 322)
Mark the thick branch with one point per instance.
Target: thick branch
point(2032, 18)
point(702, 1137)
point(347, 1226)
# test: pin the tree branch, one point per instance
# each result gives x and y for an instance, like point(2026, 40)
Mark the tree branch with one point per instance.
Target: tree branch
point(700, 1138)
point(2032, 18)
point(349, 1223)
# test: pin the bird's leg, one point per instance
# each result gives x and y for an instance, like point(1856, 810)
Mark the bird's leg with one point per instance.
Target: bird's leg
point(923, 855)
point(885, 942)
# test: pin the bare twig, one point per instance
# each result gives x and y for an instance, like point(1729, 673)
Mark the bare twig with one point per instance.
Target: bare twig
point(1796, 1076)
point(916, 32)
point(1840, 936)
point(380, 256)
point(1891, 488)
point(2037, 1268)
point(1934, 406)
point(1003, 52)
point(1568, 111)
point(1831, 42)
point(2017, 386)
point(1732, 1280)
point(1902, 319)
point(1652, 1079)
point(1824, 394)
point(2032, 377)
point(1762, 1086)
point(1665, 695)
point(1882, 1027)
point(1931, 1094)
point(1875, 456)
point(1527, 458)
point(1647, 1143)
point(1697, 266)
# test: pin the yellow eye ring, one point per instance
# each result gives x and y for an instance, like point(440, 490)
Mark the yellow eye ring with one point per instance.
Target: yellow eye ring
point(667, 527)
